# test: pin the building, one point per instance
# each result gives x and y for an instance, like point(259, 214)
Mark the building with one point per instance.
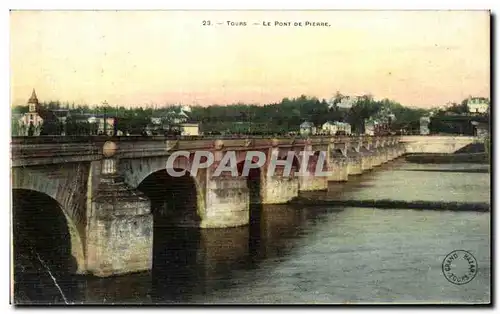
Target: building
point(370, 127)
point(157, 126)
point(334, 128)
point(307, 128)
point(329, 127)
point(156, 120)
point(32, 122)
point(482, 129)
point(177, 116)
point(175, 121)
point(189, 129)
point(347, 102)
point(100, 124)
point(478, 105)
point(424, 125)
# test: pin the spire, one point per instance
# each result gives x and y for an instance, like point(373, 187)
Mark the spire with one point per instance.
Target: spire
point(33, 99)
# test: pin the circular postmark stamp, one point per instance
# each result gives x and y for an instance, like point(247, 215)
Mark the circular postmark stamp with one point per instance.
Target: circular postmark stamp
point(459, 267)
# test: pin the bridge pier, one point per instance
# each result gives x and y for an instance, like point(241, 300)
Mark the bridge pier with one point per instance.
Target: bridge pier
point(381, 156)
point(395, 151)
point(366, 160)
point(227, 201)
point(119, 226)
point(279, 189)
point(378, 157)
point(339, 169)
point(401, 149)
point(354, 165)
point(310, 182)
point(390, 153)
point(338, 163)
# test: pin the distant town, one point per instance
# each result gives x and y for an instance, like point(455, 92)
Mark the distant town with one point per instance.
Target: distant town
point(305, 116)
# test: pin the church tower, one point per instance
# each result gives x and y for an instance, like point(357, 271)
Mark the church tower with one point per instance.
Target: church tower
point(33, 102)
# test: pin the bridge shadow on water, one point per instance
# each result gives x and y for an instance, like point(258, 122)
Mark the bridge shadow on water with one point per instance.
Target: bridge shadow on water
point(189, 262)
point(197, 262)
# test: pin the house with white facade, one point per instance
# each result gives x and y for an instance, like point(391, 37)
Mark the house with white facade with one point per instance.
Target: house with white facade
point(307, 128)
point(100, 124)
point(336, 127)
point(478, 105)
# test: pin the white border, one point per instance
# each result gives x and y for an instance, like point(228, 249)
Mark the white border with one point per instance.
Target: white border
point(256, 4)
point(190, 5)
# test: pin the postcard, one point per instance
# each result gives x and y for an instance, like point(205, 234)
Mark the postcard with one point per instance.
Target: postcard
point(250, 157)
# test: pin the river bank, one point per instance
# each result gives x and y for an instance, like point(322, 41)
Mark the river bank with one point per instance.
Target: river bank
point(475, 158)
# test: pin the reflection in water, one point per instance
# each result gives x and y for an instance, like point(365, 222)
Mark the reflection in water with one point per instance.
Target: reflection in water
point(319, 254)
point(191, 262)
point(202, 261)
point(130, 289)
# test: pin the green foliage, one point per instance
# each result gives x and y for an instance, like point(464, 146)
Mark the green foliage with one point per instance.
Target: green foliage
point(451, 125)
point(459, 108)
point(487, 147)
point(51, 127)
point(74, 127)
point(133, 124)
point(14, 126)
point(20, 109)
point(282, 117)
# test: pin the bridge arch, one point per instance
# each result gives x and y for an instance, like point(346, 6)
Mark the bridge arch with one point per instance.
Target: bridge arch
point(41, 225)
point(174, 195)
point(67, 194)
point(177, 210)
point(253, 180)
point(141, 173)
point(338, 152)
point(136, 170)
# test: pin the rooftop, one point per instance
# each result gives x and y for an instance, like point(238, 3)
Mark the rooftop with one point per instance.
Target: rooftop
point(33, 99)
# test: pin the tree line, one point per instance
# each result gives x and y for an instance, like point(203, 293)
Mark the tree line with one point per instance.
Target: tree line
point(280, 117)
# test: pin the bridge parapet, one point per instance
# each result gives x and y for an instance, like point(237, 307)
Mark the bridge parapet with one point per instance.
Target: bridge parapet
point(24, 154)
point(27, 151)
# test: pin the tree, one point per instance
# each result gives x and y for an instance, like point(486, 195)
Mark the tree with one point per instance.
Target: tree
point(364, 108)
point(15, 127)
point(462, 108)
point(133, 124)
point(79, 128)
point(51, 127)
point(19, 109)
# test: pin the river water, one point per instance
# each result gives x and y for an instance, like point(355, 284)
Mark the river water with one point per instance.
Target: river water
point(325, 255)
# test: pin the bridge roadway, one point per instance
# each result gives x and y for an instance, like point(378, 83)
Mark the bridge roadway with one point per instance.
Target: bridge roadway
point(103, 184)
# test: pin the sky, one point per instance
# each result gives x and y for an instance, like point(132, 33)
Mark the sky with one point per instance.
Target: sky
point(418, 58)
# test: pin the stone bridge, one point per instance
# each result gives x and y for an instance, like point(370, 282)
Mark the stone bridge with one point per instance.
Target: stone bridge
point(436, 144)
point(114, 191)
